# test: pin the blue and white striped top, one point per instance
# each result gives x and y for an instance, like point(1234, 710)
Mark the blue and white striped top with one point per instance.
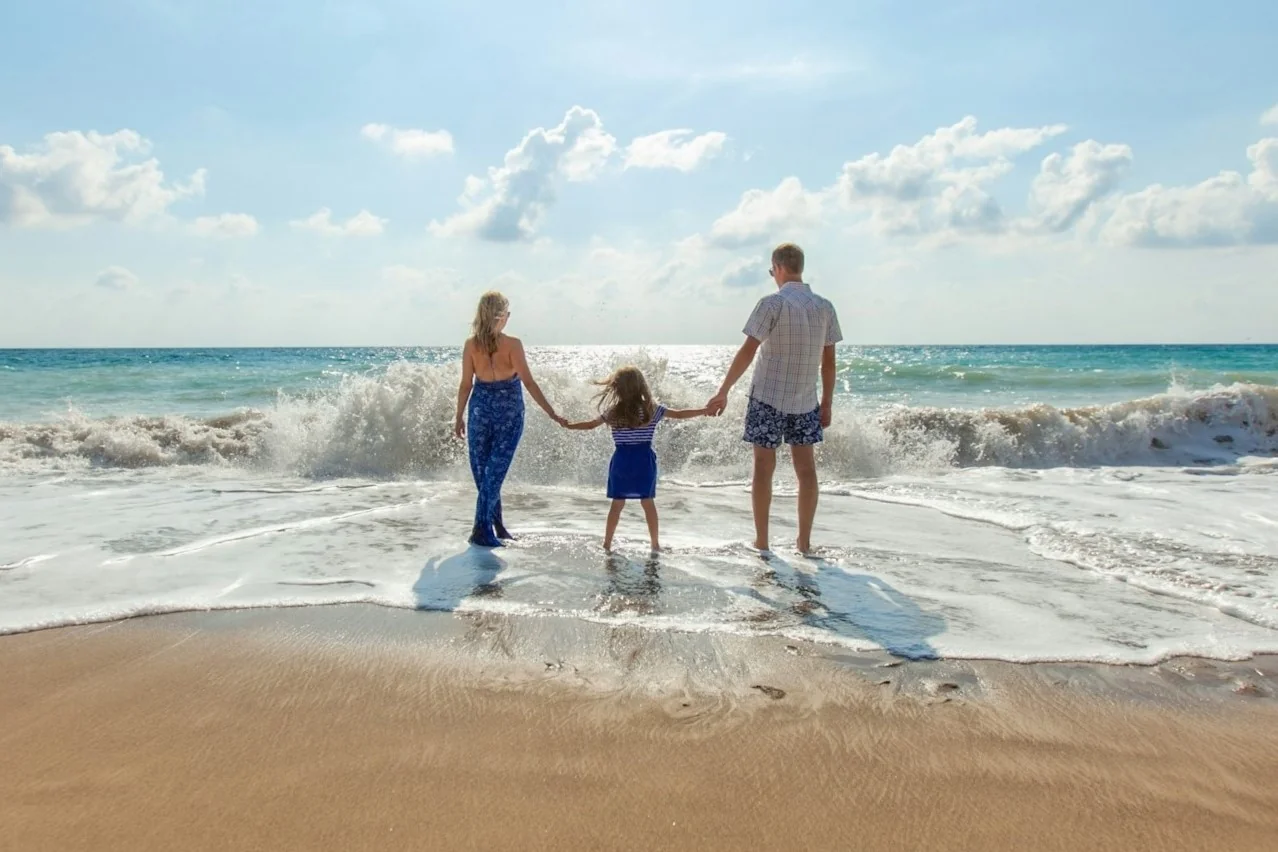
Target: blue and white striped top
point(640, 435)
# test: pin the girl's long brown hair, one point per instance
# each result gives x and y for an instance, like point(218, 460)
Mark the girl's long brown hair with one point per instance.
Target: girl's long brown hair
point(484, 329)
point(625, 401)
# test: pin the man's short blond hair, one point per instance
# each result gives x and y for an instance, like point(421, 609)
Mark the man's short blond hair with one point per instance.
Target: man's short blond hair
point(789, 257)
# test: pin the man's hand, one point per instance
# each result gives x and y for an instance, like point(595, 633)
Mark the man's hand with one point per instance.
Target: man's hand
point(827, 415)
point(717, 404)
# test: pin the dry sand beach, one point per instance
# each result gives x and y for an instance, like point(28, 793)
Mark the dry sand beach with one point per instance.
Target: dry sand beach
point(354, 727)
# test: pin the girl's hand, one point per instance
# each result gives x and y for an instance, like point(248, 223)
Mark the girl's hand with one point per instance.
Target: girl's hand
point(561, 420)
point(459, 428)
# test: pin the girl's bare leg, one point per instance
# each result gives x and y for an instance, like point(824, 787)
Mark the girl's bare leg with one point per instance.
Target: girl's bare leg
point(650, 513)
point(614, 515)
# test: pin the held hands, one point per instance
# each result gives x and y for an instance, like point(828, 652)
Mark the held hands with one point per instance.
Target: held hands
point(560, 419)
point(717, 404)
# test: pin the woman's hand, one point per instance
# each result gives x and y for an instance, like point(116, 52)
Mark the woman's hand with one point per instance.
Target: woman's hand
point(560, 419)
point(459, 427)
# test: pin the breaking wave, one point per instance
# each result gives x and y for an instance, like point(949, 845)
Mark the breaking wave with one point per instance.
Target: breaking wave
point(398, 423)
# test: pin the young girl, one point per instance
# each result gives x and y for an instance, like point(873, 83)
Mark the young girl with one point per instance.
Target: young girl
point(626, 406)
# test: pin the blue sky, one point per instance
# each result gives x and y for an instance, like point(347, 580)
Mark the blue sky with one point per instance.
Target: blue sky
point(958, 172)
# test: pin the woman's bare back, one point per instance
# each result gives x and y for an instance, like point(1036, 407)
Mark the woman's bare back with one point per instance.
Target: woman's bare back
point(498, 367)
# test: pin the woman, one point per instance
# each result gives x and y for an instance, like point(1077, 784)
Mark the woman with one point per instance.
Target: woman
point(493, 365)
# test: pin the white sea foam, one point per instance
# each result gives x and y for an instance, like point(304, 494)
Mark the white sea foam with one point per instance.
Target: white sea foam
point(1125, 532)
point(988, 563)
point(398, 424)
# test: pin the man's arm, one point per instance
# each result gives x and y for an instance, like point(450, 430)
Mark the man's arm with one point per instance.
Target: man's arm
point(741, 363)
point(827, 386)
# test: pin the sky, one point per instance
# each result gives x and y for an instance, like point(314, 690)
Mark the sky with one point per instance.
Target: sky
point(234, 173)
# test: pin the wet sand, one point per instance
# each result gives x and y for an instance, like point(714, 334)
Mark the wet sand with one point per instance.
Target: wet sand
point(358, 728)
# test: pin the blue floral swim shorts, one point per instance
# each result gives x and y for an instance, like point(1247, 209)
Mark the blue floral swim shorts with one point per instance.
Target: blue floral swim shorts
point(767, 427)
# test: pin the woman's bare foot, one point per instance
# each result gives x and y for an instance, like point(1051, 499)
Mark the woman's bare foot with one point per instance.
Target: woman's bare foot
point(761, 545)
point(607, 545)
point(804, 547)
point(656, 548)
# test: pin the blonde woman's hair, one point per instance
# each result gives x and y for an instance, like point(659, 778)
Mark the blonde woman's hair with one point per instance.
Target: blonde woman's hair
point(625, 401)
point(492, 306)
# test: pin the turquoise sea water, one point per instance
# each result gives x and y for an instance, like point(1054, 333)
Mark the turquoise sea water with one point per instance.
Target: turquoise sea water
point(39, 384)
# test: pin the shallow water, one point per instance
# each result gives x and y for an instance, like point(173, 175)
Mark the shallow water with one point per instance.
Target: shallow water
point(1038, 510)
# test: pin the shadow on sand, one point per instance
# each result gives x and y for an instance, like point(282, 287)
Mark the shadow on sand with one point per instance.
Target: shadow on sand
point(446, 581)
point(856, 606)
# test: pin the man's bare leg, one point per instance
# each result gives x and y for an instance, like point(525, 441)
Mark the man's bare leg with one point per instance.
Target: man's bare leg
point(805, 469)
point(765, 464)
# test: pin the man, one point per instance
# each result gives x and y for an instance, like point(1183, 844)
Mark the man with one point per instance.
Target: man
point(797, 330)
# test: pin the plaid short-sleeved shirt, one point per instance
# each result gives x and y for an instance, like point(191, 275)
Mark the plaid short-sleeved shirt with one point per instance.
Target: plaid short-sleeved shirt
point(794, 325)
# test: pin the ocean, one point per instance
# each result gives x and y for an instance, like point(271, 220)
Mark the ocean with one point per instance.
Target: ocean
point(1110, 504)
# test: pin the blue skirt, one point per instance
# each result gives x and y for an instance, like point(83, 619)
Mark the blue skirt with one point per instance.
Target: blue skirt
point(632, 475)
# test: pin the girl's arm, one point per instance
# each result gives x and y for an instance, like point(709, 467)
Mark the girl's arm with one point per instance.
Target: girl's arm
point(585, 424)
point(685, 413)
point(534, 390)
point(463, 391)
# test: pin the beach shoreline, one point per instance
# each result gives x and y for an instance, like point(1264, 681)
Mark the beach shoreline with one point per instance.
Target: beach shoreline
point(364, 727)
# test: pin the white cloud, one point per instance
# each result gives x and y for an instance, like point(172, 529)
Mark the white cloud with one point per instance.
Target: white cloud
point(225, 226)
point(75, 178)
point(1228, 209)
point(672, 149)
point(116, 278)
point(509, 204)
point(1066, 187)
point(939, 183)
point(1270, 116)
point(910, 172)
point(746, 272)
point(362, 224)
point(764, 215)
point(410, 143)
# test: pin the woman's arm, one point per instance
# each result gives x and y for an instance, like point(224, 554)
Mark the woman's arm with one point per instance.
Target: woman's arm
point(585, 424)
point(534, 390)
point(463, 391)
point(685, 413)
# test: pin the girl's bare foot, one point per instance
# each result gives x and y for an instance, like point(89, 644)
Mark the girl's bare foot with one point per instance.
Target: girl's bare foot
point(607, 545)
